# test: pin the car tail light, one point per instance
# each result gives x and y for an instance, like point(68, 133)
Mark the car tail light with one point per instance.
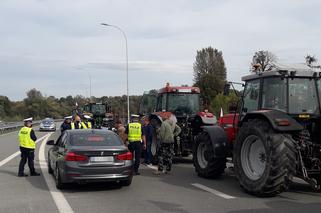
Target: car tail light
point(125, 156)
point(71, 156)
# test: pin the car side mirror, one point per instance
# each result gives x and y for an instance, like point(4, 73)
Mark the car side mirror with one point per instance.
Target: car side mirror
point(226, 89)
point(51, 142)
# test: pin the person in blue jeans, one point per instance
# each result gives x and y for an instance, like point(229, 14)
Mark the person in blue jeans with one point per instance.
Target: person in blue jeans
point(148, 132)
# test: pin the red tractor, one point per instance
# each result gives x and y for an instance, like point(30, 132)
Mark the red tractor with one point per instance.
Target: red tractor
point(274, 136)
point(184, 105)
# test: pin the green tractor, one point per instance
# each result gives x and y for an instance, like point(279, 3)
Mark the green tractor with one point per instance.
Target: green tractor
point(100, 112)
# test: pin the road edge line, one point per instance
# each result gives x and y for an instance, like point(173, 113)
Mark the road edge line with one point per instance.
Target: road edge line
point(213, 191)
point(58, 197)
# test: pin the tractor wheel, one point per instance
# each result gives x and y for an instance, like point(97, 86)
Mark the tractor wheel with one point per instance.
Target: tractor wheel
point(206, 165)
point(264, 161)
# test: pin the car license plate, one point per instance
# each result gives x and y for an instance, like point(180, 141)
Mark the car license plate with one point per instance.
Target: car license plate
point(102, 159)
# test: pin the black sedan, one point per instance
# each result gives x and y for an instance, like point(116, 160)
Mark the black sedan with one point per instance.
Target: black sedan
point(89, 155)
point(47, 124)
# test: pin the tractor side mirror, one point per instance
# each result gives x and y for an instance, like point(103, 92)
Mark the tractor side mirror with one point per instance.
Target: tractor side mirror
point(51, 142)
point(226, 89)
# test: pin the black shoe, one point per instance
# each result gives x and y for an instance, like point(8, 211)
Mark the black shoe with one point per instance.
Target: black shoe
point(136, 173)
point(34, 174)
point(22, 175)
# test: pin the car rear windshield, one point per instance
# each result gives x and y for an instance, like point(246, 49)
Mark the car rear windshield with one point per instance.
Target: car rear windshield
point(95, 139)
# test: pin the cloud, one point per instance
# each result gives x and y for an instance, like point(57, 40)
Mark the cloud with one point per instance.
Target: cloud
point(50, 44)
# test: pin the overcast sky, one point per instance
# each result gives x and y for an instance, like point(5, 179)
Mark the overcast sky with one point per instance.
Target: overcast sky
point(54, 46)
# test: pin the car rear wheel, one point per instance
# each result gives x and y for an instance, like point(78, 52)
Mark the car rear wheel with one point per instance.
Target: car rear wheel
point(50, 171)
point(59, 183)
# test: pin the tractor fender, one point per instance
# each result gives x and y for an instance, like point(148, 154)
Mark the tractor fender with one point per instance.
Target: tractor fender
point(219, 140)
point(273, 116)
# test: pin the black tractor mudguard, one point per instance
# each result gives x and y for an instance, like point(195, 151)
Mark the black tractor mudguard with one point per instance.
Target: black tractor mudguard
point(273, 116)
point(219, 140)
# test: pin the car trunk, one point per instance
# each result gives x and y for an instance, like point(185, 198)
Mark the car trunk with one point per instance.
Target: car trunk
point(103, 156)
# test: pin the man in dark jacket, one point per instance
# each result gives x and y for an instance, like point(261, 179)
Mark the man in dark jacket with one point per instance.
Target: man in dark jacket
point(66, 124)
point(148, 132)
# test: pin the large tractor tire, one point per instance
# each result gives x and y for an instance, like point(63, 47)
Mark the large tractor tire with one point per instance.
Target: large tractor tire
point(264, 160)
point(206, 165)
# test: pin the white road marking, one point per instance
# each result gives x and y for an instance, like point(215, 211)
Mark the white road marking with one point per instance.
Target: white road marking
point(152, 167)
point(60, 200)
point(6, 160)
point(213, 191)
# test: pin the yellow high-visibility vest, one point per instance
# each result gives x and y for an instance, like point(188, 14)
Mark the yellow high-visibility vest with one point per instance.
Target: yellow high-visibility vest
point(89, 125)
point(25, 139)
point(73, 125)
point(134, 132)
point(84, 126)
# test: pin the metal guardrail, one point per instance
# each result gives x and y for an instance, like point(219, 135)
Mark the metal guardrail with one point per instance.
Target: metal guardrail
point(13, 126)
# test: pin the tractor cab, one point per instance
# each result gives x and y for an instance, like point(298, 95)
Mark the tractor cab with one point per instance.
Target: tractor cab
point(181, 101)
point(293, 92)
point(97, 111)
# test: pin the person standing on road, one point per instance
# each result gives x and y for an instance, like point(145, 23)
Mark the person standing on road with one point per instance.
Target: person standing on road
point(135, 134)
point(148, 132)
point(166, 150)
point(176, 131)
point(66, 124)
point(27, 139)
point(121, 131)
point(76, 124)
point(86, 124)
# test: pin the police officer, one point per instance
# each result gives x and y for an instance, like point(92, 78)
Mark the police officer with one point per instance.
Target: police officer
point(86, 124)
point(76, 124)
point(66, 124)
point(27, 139)
point(134, 135)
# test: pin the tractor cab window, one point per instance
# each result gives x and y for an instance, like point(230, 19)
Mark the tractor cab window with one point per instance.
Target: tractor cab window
point(319, 89)
point(161, 103)
point(87, 108)
point(251, 95)
point(98, 109)
point(302, 96)
point(148, 103)
point(183, 103)
point(274, 94)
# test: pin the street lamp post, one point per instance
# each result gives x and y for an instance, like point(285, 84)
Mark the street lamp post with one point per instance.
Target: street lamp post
point(123, 33)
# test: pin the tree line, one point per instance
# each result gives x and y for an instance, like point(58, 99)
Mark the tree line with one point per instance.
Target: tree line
point(38, 106)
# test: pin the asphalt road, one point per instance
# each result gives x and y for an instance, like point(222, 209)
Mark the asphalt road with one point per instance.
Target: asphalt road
point(182, 191)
